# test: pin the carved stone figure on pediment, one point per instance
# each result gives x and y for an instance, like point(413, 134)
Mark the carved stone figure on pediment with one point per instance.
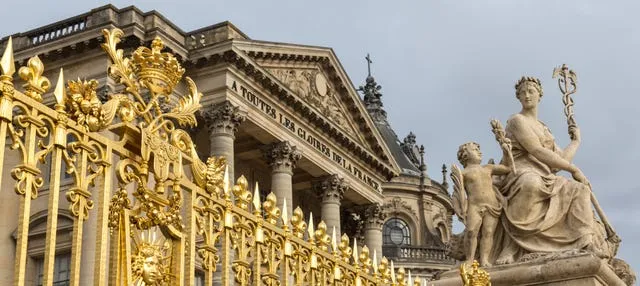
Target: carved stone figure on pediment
point(311, 86)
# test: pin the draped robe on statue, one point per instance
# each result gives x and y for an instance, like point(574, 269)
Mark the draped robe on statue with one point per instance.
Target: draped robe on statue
point(559, 215)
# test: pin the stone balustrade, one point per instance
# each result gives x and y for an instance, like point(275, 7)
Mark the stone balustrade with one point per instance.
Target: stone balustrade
point(407, 253)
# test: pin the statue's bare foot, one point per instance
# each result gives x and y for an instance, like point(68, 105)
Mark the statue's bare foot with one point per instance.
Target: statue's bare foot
point(504, 260)
point(485, 264)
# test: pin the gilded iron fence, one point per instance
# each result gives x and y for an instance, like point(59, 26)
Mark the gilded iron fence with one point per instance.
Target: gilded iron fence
point(159, 207)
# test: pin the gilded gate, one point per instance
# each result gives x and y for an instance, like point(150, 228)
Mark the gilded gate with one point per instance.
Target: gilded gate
point(160, 208)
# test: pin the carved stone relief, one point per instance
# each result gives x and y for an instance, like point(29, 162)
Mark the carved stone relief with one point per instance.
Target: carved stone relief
point(313, 87)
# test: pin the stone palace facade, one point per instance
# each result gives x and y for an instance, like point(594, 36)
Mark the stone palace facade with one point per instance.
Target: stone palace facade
point(284, 115)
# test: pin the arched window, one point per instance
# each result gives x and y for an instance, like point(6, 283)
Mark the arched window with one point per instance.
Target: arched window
point(396, 232)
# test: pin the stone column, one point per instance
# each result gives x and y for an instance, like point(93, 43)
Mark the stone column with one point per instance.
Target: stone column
point(282, 157)
point(223, 120)
point(373, 217)
point(330, 190)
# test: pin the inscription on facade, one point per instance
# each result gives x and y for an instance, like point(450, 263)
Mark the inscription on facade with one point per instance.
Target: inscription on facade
point(302, 132)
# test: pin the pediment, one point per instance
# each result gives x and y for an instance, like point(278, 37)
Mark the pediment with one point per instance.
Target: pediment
point(312, 86)
point(315, 77)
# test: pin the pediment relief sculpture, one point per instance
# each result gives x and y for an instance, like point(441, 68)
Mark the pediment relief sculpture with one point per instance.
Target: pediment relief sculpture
point(312, 86)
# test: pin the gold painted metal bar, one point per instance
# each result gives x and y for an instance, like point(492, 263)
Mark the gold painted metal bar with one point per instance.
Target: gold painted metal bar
point(22, 237)
point(190, 230)
point(102, 229)
point(76, 250)
point(78, 223)
point(25, 203)
point(52, 216)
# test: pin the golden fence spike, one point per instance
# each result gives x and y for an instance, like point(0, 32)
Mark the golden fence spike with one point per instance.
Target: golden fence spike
point(7, 63)
point(409, 281)
point(375, 262)
point(285, 216)
point(310, 230)
point(225, 181)
point(355, 252)
point(393, 273)
point(60, 92)
point(256, 201)
point(334, 243)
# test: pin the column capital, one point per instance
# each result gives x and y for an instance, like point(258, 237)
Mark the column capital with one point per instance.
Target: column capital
point(330, 188)
point(373, 215)
point(282, 156)
point(223, 118)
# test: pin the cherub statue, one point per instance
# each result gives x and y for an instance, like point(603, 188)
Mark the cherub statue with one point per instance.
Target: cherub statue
point(476, 203)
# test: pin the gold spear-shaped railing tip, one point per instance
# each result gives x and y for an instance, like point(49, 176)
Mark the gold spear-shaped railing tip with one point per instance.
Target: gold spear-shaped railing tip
point(375, 262)
point(285, 215)
point(60, 91)
point(410, 281)
point(393, 273)
point(334, 242)
point(225, 181)
point(355, 251)
point(310, 230)
point(7, 63)
point(256, 200)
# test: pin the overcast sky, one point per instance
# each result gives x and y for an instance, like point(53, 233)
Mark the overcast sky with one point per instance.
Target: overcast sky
point(448, 67)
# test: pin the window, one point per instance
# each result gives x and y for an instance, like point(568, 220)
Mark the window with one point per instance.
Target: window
point(396, 232)
point(61, 270)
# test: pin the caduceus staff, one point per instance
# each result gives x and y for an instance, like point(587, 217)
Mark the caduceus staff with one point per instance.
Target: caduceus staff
point(567, 82)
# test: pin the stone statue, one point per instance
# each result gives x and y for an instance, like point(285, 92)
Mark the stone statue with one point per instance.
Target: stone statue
point(544, 212)
point(476, 202)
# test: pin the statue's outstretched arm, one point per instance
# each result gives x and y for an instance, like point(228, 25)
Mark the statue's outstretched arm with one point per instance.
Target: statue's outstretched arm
point(530, 142)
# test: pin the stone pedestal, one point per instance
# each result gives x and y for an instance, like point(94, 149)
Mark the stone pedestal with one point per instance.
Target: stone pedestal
point(330, 190)
point(575, 270)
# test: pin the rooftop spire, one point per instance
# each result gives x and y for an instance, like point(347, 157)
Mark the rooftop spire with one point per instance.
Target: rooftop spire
point(372, 94)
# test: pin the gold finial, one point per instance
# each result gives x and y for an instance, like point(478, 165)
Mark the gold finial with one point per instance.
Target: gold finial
point(364, 258)
point(60, 92)
point(298, 223)
point(477, 276)
point(256, 201)
point(345, 250)
point(409, 281)
point(321, 236)
point(241, 193)
point(272, 212)
point(7, 63)
point(400, 276)
point(37, 84)
point(384, 270)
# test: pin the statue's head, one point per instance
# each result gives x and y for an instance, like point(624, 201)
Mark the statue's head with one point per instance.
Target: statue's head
point(527, 82)
point(147, 264)
point(469, 151)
